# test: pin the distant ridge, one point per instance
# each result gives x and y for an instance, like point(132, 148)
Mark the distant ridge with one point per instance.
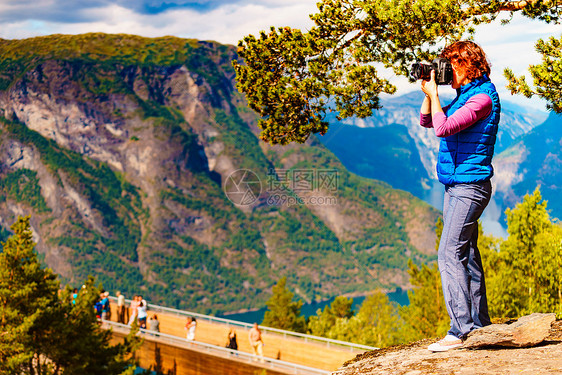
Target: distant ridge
point(392, 147)
point(122, 150)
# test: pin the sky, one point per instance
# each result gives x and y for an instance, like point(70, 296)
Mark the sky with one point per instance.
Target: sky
point(227, 21)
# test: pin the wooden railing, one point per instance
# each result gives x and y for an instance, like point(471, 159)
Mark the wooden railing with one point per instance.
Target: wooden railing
point(286, 334)
point(217, 351)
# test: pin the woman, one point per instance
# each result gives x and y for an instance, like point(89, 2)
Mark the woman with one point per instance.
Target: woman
point(120, 307)
point(190, 326)
point(142, 314)
point(154, 324)
point(134, 307)
point(231, 342)
point(467, 128)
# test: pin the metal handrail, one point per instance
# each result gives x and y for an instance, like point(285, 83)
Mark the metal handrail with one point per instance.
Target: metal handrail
point(217, 350)
point(284, 333)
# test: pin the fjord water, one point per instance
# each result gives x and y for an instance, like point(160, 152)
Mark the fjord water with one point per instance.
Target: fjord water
point(399, 296)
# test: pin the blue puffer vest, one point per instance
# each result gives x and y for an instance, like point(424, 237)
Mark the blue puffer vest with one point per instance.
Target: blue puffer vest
point(466, 157)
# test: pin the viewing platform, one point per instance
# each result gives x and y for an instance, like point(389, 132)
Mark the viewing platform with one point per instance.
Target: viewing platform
point(285, 352)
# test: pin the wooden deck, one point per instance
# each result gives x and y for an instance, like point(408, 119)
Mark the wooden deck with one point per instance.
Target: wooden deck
point(289, 349)
point(165, 358)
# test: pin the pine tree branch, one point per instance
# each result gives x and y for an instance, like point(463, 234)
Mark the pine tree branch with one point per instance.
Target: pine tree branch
point(511, 6)
point(293, 78)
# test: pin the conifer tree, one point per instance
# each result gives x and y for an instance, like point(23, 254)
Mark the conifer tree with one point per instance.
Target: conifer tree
point(42, 332)
point(327, 321)
point(377, 323)
point(282, 312)
point(547, 76)
point(528, 268)
point(28, 299)
point(341, 307)
point(426, 315)
point(548, 278)
point(293, 78)
point(79, 346)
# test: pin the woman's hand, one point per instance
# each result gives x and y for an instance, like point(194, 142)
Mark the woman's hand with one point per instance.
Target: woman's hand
point(431, 104)
point(430, 87)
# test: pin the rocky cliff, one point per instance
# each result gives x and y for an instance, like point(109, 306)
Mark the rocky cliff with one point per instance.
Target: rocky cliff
point(134, 156)
point(415, 359)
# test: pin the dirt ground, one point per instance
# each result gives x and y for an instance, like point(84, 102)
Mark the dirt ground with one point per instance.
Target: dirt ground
point(415, 359)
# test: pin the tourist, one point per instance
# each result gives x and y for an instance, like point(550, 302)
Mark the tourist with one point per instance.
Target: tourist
point(190, 326)
point(134, 306)
point(256, 341)
point(106, 309)
point(231, 342)
point(142, 314)
point(154, 324)
point(74, 296)
point(120, 307)
point(98, 307)
point(467, 128)
point(143, 301)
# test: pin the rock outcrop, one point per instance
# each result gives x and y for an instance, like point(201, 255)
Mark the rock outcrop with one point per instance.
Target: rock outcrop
point(545, 358)
point(527, 331)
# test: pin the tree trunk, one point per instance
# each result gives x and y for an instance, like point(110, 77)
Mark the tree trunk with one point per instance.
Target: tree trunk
point(31, 369)
point(38, 363)
point(516, 5)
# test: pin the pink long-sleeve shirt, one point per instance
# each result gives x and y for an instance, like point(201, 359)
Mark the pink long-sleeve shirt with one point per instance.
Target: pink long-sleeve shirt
point(476, 108)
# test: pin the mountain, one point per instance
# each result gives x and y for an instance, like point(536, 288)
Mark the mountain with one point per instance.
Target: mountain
point(534, 159)
point(139, 163)
point(385, 153)
point(391, 145)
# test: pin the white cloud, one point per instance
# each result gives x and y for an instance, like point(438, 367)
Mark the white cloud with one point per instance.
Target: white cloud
point(226, 24)
point(513, 46)
point(229, 21)
point(510, 46)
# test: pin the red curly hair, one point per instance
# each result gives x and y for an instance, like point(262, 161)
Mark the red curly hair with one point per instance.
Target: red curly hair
point(469, 56)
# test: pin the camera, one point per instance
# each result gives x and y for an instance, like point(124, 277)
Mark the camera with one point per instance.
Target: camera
point(443, 71)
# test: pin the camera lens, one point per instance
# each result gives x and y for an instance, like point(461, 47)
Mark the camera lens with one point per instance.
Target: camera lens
point(416, 71)
point(421, 71)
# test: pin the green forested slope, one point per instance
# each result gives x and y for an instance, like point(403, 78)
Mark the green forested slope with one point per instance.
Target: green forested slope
point(119, 147)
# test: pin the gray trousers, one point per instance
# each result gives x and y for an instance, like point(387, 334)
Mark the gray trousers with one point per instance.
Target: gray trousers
point(460, 265)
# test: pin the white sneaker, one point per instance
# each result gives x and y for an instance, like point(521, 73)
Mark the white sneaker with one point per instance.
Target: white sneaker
point(447, 343)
